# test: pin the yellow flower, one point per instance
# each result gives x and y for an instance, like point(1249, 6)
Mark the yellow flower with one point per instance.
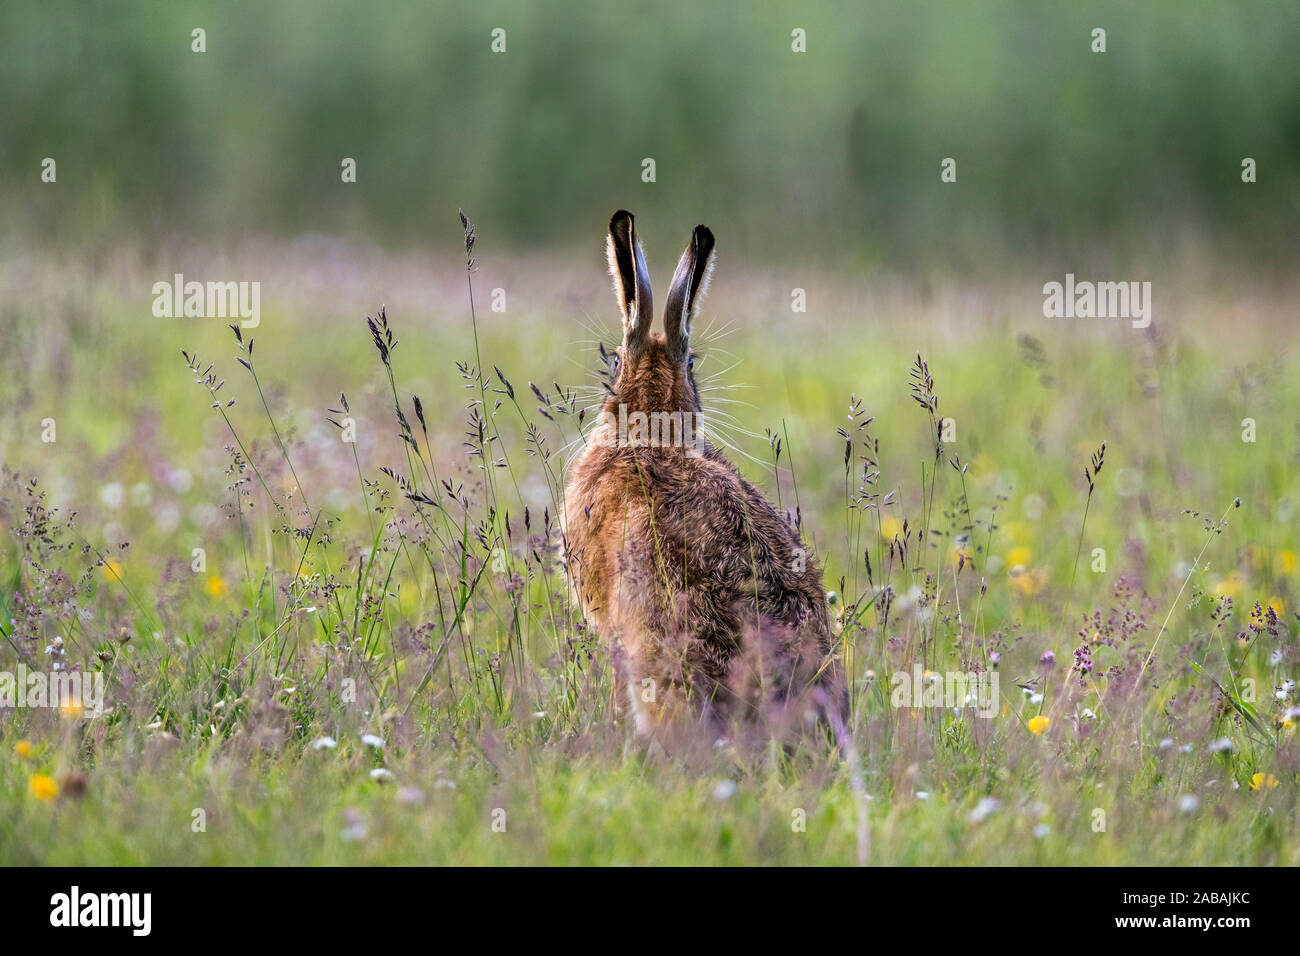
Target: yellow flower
point(1039, 724)
point(23, 748)
point(1284, 562)
point(112, 569)
point(890, 527)
point(43, 787)
point(216, 586)
point(1029, 583)
point(1020, 555)
point(1263, 781)
point(957, 554)
point(1277, 604)
point(1231, 586)
point(1018, 531)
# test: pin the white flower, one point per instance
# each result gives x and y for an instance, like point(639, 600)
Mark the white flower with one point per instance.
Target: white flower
point(325, 743)
point(984, 808)
point(356, 825)
point(141, 495)
point(112, 494)
point(1042, 830)
point(370, 740)
point(180, 480)
point(1222, 745)
point(923, 794)
point(1188, 802)
point(381, 773)
point(167, 516)
point(724, 790)
point(1166, 743)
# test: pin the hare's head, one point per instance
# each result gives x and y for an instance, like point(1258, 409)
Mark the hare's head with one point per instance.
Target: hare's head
point(653, 372)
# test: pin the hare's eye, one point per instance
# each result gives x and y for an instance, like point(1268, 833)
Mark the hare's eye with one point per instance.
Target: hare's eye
point(690, 363)
point(617, 362)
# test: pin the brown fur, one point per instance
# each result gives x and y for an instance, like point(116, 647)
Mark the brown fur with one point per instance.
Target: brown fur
point(685, 567)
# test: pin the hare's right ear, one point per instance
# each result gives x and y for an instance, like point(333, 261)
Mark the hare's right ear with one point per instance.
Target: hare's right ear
point(688, 285)
point(631, 280)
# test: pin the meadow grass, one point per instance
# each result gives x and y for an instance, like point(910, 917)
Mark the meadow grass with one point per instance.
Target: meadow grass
point(378, 659)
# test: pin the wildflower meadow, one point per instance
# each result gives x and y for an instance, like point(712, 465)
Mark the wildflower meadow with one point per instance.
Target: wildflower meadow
point(307, 317)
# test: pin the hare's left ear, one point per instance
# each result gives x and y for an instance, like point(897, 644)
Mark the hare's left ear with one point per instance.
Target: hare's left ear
point(689, 282)
point(631, 280)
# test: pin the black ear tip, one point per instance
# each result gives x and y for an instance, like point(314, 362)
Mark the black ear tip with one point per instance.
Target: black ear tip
point(618, 218)
point(703, 237)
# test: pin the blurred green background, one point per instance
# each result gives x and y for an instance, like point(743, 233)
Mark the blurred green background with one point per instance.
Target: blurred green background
point(833, 154)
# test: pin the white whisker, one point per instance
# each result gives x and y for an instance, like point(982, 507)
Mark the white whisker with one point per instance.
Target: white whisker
point(731, 446)
point(732, 401)
point(729, 368)
point(711, 332)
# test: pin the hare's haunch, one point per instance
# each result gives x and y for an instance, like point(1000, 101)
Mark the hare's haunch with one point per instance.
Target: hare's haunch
point(704, 593)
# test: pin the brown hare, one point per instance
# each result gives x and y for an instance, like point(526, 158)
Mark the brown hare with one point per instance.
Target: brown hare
point(703, 592)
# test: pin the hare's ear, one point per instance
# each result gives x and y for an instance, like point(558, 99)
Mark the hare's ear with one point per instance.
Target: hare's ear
point(689, 282)
point(631, 280)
